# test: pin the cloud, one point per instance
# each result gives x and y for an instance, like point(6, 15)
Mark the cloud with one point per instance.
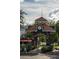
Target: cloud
point(29, 1)
point(36, 1)
point(21, 0)
point(33, 8)
point(54, 12)
point(42, 1)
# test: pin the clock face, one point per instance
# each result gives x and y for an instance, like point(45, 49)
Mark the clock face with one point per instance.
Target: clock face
point(39, 28)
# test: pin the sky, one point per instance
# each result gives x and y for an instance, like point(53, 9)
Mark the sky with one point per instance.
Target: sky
point(48, 9)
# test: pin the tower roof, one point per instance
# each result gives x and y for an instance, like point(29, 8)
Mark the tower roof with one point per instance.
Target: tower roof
point(41, 19)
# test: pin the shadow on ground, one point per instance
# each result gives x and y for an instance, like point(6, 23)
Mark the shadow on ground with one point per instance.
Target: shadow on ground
point(28, 54)
point(52, 55)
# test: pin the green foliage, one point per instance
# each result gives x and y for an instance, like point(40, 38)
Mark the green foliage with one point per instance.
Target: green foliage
point(51, 22)
point(57, 27)
point(22, 13)
point(33, 47)
point(21, 16)
point(28, 35)
point(50, 48)
point(45, 49)
point(42, 37)
point(56, 47)
point(57, 30)
point(22, 45)
point(22, 36)
point(54, 25)
point(29, 47)
point(53, 37)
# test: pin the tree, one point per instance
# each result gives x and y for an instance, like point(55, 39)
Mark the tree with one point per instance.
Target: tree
point(54, 37)
point(57, 30)
point(57, 27)
point(22, 27)
point(21, 17)
point(52, 23)
point(22, 13)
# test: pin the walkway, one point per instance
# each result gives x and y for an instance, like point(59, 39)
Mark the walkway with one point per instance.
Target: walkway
point(35, 54)
point(40, 56)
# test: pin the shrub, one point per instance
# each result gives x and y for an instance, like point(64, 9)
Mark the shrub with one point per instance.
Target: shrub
point(28, 47)
point(46, 49)
point(28, 35)
point(50, 48)
point(33, 47)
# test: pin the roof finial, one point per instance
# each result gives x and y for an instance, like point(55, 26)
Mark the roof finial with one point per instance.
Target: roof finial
point(41, 12)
